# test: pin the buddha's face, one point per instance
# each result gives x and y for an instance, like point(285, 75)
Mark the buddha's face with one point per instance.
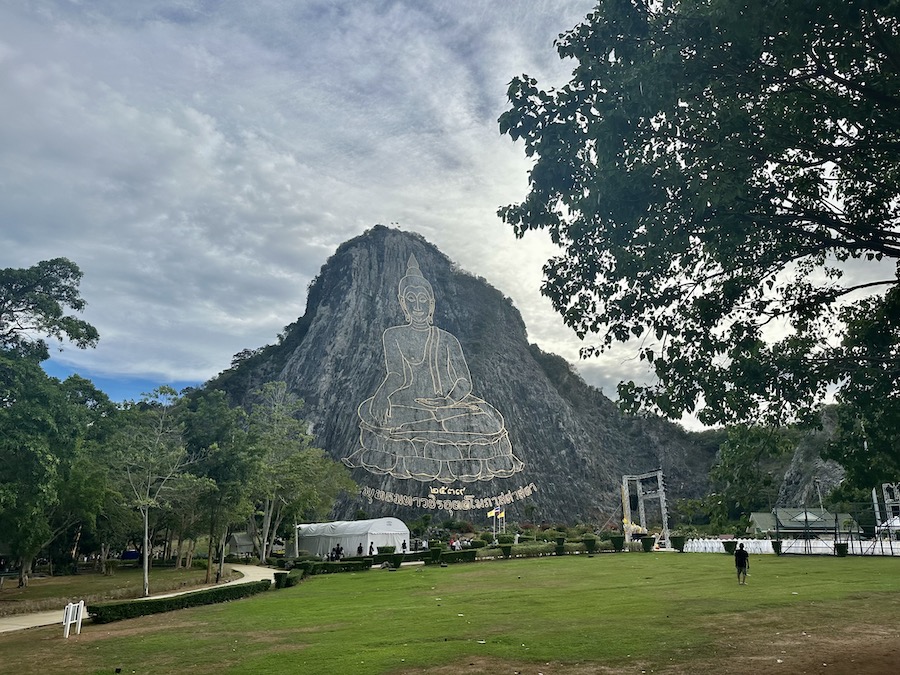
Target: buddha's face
point(418, 305)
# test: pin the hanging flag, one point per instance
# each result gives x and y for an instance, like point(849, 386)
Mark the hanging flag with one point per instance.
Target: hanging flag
point(492, 513)
point(502, 514)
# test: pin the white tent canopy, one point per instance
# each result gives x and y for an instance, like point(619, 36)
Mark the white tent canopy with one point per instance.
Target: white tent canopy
point(320, 538)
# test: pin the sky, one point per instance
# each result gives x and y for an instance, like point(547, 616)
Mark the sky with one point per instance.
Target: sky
point(201, 160)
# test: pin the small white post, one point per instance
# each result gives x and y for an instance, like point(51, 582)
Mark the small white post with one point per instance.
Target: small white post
point(73, 614)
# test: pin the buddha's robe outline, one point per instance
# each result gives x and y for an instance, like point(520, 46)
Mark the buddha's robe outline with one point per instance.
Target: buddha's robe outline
point(423, 422)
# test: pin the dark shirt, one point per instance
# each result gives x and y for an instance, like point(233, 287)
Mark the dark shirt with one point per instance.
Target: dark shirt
point(741, 557)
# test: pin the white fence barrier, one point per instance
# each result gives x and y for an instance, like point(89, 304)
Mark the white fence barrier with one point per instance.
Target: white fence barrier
point(754, 546)
point(796, 546)
point(74, 614)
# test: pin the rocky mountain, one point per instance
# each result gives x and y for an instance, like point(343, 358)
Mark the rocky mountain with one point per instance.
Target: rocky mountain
point(501, 423)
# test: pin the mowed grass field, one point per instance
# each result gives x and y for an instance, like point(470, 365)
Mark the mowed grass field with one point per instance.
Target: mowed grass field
point(630, 613)
point(47, 593)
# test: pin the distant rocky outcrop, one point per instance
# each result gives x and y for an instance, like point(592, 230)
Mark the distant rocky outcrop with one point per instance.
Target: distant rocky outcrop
point(808, 477)
point(573, 442)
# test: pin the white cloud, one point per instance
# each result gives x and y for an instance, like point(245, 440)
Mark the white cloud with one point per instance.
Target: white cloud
point(200, 161)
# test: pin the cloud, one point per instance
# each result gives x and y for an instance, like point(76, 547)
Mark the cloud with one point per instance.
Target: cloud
point(200, 161)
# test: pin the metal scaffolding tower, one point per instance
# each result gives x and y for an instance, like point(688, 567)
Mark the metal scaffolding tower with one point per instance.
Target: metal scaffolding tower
point(646, 486)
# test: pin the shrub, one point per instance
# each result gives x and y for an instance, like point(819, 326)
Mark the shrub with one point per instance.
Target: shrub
point(478, 543)
point(532, 550)
point(458, 556)
point(107, 612)
point(505, 538)
point(291, 563)
point(384, 550)
point(358, 565)
point(293, 578)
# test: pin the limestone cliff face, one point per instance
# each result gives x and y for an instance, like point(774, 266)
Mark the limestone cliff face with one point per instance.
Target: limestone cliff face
point(807, 475)
point(573, 442)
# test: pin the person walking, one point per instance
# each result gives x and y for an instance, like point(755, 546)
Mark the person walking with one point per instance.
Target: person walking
point(742, 563)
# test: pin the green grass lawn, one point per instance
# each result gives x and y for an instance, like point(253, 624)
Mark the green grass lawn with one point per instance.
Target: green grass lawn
point(572, 614)
point(45, 593)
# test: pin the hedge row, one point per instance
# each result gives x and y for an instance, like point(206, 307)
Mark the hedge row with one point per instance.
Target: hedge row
point(457, 556)
point(320, 567)
point(105, 613)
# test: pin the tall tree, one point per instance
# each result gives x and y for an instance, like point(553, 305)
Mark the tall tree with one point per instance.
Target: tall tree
point(41, 427)
point(739, 477)
point(37, 438)
point(33, 302)
point(713, 172)
point(217, 433)
point(295, 476)
point(152, 457)
point(85, 480)
point(51, 475)
point(868, 435)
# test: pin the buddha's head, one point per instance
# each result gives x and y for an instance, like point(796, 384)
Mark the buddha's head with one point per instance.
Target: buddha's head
point(416, 296)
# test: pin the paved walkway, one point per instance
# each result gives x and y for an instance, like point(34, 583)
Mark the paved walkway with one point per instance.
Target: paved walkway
point(49, 618)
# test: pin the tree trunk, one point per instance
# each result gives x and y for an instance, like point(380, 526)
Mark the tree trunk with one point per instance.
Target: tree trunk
point(268, 507)
point(167, 548)
point(146, 513)
point(277, 518)
point(104, 554)
point(23, 571)
point(222, 555)
point(75, 545)
point(209, 559)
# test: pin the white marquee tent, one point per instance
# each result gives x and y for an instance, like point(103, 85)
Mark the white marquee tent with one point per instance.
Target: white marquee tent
point(320, 538)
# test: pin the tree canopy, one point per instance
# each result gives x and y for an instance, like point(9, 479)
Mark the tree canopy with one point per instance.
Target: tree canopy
point(33, 302)
point(724, 182)
point(296, 480)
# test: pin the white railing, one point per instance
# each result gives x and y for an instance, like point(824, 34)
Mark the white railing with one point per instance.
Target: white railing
point(796, 546)
point(73, 615)
point(711, 545)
